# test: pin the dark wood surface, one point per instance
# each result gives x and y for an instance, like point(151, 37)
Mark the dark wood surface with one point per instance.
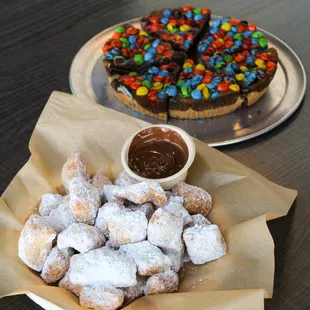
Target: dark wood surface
point(38, 40)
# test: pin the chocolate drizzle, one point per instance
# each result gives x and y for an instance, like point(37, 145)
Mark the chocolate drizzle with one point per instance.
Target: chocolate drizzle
point(157, 153)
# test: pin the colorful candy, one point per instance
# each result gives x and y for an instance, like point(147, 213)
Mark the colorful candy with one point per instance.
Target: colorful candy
point(142, 91)
point(201, 84)
point(156, 84)
point(177, 25)
point(234, 87)
point(239, 77)
point(120, 29)
point(232, 56)
point(138, 59)
point(206, 93)
point(171, 91)
point(196, 94)
point(229, 35)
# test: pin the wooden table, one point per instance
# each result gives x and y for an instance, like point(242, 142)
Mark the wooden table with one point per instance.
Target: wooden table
point(38, 42)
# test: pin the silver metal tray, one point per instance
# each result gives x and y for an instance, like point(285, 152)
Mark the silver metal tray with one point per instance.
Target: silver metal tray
point(89, 80)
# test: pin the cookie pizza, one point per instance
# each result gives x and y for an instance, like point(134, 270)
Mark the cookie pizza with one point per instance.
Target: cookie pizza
point(182, 65)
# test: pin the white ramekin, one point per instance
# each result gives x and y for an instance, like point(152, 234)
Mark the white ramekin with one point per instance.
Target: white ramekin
point(169, 182)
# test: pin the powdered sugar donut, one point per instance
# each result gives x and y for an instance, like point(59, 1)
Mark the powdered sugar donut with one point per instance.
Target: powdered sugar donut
point(74, 167)
point(100, 180)
point(35, 242)
point(147, 208)
point(148, 258)
point(49, 202)
point(100, 266)
point(110, 192)
point(56, 265)
point(174, 206)
point(127, 227)
point(81, 237)
point(61, 217)
point(104, 215)
point(200, 220)
point(124, 179)
point(73, 288)
point(165, 230)
point(84, 201)
point(143, 192)
point(162, 283)
point(101, 297)
point(204, 243)
point(196, 200)
point(131, 293)
point(176, 257)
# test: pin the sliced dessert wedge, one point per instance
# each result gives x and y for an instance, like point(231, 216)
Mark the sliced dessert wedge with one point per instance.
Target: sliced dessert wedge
point(240, 51)
point(181, 27)
point(231, 36)
point(202, 93)
point(148, 93)
point(253, 74)
point(131, 49)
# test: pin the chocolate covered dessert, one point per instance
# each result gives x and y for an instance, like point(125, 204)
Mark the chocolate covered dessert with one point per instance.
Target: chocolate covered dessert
point(226, 64)
point(181, 27)
point(132, 49)
point(148, 93)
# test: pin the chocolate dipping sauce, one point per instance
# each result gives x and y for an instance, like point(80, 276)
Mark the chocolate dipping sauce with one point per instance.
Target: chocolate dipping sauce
point(157, 153)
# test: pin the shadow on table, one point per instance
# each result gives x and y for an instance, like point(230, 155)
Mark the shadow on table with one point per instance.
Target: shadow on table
point(280, 229)
point(18, 302)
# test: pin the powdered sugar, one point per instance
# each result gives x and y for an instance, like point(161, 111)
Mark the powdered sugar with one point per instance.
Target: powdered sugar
point(61, 217)
point(162, 283)
point(104, 215)
point(100, 180)
point(168, 194)
point(143, 192)
point(175, 207)
point(100, 266)
point(74, 167)
point(74, 288)
point(164, 230)
point(81, 237)
point(176, 258)
point(196, 200)
point(204, 243)
point(49, 202)
point(176, 199)
point(147, 208)
point(148, 258)
point(35, 242)
point(133, 292)
point(101, 297)
point(110, 192)
point(55, 266)
point(200, 220)
point(126, 227)
point(84, 201)
point(124, 179)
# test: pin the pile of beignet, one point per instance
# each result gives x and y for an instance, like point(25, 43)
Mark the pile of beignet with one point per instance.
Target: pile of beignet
point(112, 243)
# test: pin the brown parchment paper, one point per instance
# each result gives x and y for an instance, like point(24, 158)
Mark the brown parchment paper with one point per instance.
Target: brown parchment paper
point(243, 201)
